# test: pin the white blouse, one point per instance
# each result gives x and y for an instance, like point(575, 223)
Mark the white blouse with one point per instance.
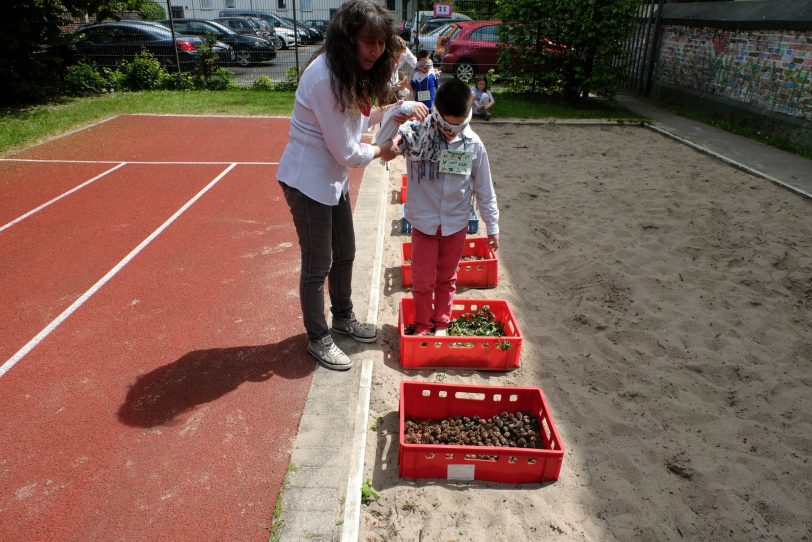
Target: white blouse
point(323, 141)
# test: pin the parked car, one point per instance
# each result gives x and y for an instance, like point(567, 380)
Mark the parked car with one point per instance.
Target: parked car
point(472, 48)
point(274, 21)
point(420, 19)
point(442, 39)
point(108, 44)
point(411, 25)
point(428, 41)
point(433, 24)
point(249, 26)
point(282, 39)
point(319, 24)
point(311, 34)
point(247, 49)
point(287, 37)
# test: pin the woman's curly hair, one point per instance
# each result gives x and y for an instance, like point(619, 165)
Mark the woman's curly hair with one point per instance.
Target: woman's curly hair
point(352, 86)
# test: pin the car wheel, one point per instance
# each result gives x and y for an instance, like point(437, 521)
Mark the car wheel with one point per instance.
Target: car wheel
point(464, 71)
point(281, 43)
point(243, 58)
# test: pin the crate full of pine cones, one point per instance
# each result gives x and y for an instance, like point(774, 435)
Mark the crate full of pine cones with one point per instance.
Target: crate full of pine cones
point(467, 432)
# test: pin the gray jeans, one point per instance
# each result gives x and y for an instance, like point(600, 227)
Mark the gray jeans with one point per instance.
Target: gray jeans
point(327, 240)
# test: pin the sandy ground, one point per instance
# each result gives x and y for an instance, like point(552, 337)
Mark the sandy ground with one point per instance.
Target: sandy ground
point(665, 300)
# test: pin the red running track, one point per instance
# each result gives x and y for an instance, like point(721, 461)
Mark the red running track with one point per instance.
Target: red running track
point(165, 406)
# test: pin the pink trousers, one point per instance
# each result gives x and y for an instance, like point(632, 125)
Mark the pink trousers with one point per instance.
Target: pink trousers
point(434, 273)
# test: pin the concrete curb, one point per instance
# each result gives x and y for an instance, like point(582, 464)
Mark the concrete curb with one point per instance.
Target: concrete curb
point(321, 497)
point(729, 161)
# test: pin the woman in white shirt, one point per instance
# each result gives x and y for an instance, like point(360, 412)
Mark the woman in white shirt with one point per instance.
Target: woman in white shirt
point(348, 75)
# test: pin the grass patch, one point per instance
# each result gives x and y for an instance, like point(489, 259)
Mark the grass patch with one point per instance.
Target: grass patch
point(532, 106)
point(738, 129)
point(277, 522)
point(24, 127)
point(368, 493)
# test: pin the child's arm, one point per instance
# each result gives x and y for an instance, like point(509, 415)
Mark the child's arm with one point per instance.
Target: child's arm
point(486, 195)
point(396, 115)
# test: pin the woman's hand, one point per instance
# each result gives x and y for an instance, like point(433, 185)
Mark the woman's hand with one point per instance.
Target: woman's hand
point(493, 241)
point(388, 149)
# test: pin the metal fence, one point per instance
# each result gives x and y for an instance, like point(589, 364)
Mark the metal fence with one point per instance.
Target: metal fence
point(640, 49)
point(295, 45)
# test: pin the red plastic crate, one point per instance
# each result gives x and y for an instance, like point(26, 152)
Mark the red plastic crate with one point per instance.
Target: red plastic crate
point(482, 353)
point(472, 273)
point(429, 400)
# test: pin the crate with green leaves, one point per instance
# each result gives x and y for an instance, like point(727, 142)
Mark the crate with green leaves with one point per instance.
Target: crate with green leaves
point(483, 334)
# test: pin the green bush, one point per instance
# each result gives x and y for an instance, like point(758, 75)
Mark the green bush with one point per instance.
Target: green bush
point(175, 81)
point(151, 11)
point(219, 80)
point(590, 35)
point(84, 80)
point(116, 79)
point(206, 62)
point(143, 72)
point(291, 84)
point(263, 82)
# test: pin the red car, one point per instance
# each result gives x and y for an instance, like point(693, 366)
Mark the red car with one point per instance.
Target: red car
point(472, 48)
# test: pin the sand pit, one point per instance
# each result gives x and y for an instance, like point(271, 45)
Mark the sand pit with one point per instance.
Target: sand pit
point(666, 303)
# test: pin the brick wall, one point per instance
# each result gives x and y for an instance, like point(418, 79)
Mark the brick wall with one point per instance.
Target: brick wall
point(770, 70)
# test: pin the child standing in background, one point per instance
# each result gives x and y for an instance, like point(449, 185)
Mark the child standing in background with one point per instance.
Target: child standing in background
point(483, 99)
point(446, 165)
point(425, 80)
point(400, 83)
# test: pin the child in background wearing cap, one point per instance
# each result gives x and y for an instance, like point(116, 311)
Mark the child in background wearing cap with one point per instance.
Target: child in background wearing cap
point(425, 80)
point(446, 165)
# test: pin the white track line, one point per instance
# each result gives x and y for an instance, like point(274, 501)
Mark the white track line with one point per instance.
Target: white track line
point(59, 197)
point(54, 161)
point(110, 274)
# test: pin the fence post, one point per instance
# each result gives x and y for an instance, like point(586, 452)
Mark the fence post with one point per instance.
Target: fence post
point(172, 28)
point(654, 50)
point(296, 40)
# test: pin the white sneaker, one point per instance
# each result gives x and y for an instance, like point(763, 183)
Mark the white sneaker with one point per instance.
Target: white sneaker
point(442, 332)
point(329, 355)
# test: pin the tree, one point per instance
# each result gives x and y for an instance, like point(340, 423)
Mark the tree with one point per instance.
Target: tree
point(565, 45)
point(151, 11)
point(32, 35)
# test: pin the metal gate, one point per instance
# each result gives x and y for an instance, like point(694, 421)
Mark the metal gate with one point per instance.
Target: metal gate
point(641, 49)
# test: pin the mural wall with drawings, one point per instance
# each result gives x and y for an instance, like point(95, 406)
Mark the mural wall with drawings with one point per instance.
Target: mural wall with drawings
point(765, 69)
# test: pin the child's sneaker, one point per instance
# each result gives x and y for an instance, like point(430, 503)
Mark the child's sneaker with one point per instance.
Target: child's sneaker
point(440, 332)
point(487, 115)
point(365, 333)
point(329, 355)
